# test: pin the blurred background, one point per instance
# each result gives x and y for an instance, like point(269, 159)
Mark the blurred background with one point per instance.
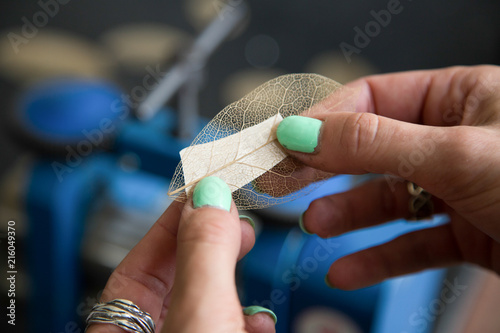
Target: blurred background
point(97, 99)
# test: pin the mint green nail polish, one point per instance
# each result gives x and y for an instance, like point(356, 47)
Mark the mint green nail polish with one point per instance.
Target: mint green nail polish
point(328, 283)
point(251, 310)
point(299, 133)
point(248, 219)
point(212, 191)
point(301, 225)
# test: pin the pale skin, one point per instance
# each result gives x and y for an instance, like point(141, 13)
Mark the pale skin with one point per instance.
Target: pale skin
point(454, 111)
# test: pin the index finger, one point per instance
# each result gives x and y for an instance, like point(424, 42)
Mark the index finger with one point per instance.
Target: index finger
point(146, 275)
point(431, 97)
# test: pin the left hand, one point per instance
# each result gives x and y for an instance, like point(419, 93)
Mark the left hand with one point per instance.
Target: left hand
point(183, 273)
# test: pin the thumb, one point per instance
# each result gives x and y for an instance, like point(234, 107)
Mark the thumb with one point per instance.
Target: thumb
point(204, 297)
point(356, 143)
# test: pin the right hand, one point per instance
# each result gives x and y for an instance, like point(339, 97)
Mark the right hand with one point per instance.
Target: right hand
point(439, 129)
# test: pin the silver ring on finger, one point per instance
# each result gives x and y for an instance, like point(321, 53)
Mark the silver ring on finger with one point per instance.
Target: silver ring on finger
point(420, 205)
point(122, 313)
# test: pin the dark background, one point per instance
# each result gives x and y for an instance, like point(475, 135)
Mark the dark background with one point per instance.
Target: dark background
point(426, 34)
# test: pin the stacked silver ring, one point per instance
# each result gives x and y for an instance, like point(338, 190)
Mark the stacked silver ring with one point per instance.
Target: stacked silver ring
point(122, 313)
point(420, 204)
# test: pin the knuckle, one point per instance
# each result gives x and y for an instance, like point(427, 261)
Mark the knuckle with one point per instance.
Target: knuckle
point(359, 134)
point(456, 155)
point(139, 276)
point(463, 140)
point(468, 153)
point(462, 144)
point(206, 225)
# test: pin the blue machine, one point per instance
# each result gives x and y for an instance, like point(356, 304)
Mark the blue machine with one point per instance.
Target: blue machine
point(62, 191)
point(285, 271)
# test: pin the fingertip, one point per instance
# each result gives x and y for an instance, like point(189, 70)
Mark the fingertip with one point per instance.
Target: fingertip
point(259, 323)
point(298, 133)
point(248, 220)
point(213, 192)
point(259, 319)
point(208, 194)
point(255, 309)
point(328, 283)
point(346, 274)
point(247, 235)
point(324, 217)
point(302, 225)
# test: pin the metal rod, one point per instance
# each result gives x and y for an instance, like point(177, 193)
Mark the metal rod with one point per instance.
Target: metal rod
point(195, 59)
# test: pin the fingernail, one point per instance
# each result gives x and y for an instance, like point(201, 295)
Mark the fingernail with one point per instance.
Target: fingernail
point(251, 310)
point(213, 192)
point(248, 219)
point(328, 283)
point(299, 133)
point(301, 225)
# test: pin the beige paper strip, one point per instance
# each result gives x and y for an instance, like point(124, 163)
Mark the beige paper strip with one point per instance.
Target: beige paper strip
point(236, 159)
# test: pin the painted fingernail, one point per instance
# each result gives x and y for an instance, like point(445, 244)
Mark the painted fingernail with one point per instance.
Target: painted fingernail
point(251, 310)
point(213, 192)
point(299, 133)
point(248, 219)
point(301, 225)
point(328, 283)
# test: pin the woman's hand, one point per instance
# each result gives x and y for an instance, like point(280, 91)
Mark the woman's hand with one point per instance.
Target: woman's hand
point(183, 271)
point(439, 129)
